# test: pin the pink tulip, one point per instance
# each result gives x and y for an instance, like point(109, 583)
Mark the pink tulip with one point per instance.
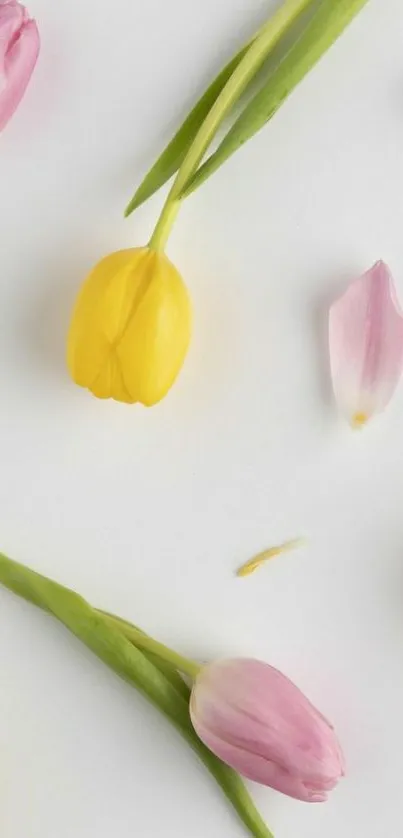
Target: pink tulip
point(366, 345)
point(19, 49)
point(258, 722)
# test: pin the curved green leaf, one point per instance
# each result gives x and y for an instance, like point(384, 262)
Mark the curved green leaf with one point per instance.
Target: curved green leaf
point(112, 647)
point(170, 160)
point(326, 25)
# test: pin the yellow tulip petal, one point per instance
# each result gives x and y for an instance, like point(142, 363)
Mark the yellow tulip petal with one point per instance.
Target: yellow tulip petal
point(131, 327)
point(109, 384)
point(155, 343)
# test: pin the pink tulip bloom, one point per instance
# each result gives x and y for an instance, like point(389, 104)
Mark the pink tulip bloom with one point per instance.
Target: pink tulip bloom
point(258, 722)
point(366, 345)
point(19, 49)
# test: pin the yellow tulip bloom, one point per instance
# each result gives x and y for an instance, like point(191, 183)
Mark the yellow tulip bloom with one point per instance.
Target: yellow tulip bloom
point(131, 327)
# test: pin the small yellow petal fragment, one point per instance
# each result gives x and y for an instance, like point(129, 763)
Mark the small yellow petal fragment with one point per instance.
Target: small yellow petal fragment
point(257, 561)
point(359, 420)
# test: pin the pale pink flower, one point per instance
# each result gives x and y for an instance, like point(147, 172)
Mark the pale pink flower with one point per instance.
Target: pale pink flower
point(19, 49)
point(366, 345)
point(257, 721)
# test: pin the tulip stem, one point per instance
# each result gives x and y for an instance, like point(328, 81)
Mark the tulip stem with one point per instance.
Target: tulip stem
point(252, 61)
point(143, 641)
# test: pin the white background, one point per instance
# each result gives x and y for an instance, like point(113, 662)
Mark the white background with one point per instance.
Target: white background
point(148, 513)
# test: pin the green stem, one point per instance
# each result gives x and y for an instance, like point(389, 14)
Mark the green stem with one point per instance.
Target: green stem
point(143, 641)
point(255, 56)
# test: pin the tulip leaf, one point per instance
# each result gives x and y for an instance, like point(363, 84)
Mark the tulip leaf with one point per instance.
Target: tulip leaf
point(325, 26)
point(174, 154)
point(112, 647)
point(166, 668)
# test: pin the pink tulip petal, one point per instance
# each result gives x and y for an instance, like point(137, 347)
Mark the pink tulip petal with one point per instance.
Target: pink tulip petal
point(366, 345)
point(232, 698)
point(12, 16)
point(261, 770)
point(259, 722)
point(19, 49)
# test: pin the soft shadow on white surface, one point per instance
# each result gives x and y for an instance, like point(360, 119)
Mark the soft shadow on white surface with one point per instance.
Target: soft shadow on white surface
point(44, 328)
point(335, 285)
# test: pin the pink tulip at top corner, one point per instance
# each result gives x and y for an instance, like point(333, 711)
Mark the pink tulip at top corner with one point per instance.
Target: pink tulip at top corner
point(19, 49)
point(258, 722)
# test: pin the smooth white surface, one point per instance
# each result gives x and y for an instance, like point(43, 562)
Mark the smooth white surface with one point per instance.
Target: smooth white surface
point(148, 513)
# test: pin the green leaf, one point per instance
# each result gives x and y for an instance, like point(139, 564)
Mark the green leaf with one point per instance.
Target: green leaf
point(171, 159)
point(166, 668)
point(326, 25)
point(112, 647)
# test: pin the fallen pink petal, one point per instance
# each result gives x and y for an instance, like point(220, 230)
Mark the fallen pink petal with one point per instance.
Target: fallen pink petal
point(19, 50)
point(366, 345)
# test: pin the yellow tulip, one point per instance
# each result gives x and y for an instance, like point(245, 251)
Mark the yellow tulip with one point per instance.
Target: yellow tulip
point(131, 327)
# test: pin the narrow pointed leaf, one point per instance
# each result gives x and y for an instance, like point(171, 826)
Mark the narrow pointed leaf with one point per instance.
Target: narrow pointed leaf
point(172, 157)
point(326, 25)
point(112, 647)
point(240, 80)
point(166, 668)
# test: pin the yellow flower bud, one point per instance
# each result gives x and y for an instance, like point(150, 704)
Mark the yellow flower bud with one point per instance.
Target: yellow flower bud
point(130, 328)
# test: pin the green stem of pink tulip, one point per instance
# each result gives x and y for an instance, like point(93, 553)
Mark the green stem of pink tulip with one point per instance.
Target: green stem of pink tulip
point(143, 641)
point(255, 56)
